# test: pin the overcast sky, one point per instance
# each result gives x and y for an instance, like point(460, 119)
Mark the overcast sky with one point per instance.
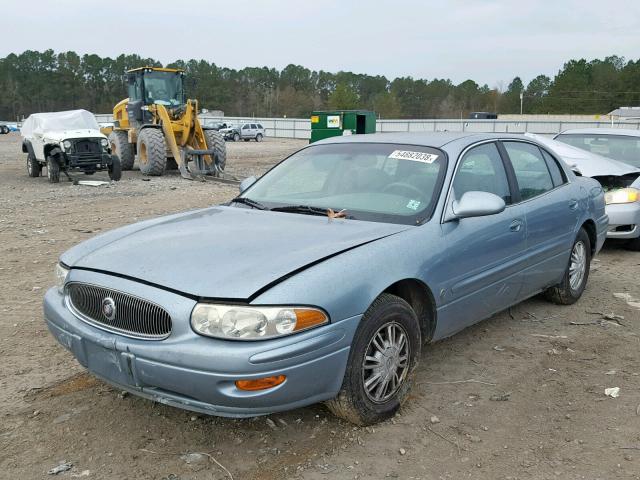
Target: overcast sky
point(488, 41)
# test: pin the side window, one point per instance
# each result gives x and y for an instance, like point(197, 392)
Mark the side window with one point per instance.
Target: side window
point(530, 168)
point(557, 174)
point(260, 127)
point(246, 126)
point(253, 126)
point(481, 170)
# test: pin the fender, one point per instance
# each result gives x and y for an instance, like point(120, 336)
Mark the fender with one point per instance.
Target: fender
point(28, 148)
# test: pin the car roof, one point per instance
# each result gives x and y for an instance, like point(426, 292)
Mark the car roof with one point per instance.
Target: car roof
point(602, 131)
point(426, 139)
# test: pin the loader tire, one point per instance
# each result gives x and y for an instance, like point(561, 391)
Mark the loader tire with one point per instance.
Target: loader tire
point(120, 146)
point(152, 152)
point(215, 141)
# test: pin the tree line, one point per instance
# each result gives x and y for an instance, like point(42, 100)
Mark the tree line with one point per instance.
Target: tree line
point(35, 81)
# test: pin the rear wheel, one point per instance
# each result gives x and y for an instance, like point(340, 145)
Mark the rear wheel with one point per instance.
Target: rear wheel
point(34, 169)
point(383, 356)
point(570, 289)
point(259, 137)
point(53, 170)
point(152, 151)
point(115, 169)
point(120, 146)
point(215, 141)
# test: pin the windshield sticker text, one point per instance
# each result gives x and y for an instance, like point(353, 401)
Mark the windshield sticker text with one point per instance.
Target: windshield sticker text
point(415, 156)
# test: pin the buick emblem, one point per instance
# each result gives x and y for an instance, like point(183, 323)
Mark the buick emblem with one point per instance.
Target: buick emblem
point(109, 308)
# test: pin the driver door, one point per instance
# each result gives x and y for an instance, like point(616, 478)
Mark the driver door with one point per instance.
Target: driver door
point(485, 255)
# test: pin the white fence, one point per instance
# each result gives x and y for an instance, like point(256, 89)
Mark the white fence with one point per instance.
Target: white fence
point(301, 127)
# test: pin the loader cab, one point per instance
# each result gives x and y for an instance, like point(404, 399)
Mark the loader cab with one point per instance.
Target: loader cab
point(149, 86)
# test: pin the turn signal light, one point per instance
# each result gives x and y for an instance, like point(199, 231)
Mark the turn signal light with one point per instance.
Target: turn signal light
point(260, 383)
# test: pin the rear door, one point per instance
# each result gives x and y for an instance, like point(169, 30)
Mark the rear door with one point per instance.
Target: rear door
point(482, 273)
point(551, 211)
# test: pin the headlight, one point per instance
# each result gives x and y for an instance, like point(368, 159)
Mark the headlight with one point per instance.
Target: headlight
point(104, 142)
point(253, 323)
point(623, 195)
point(61, 276)
point(67, 145)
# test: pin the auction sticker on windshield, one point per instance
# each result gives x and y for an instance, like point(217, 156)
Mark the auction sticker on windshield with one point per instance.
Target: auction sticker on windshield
point(415, 156)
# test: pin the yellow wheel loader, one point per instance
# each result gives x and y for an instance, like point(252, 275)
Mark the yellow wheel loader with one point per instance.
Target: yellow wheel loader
point(159, 127)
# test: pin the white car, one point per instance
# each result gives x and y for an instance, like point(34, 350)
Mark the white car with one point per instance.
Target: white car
point(64, 142)
point(621, 182)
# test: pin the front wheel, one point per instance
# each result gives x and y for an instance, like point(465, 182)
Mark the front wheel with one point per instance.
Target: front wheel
point(236, 137)
point(115, 169)
point(53, 170)
point(383, 356)
point(570, 289)
point(120, 146)
point(152, 151)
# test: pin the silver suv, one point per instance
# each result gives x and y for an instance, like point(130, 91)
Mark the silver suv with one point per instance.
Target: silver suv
point(245, 131)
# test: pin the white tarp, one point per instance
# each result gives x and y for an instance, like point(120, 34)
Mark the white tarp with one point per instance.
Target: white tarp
point(39, 123)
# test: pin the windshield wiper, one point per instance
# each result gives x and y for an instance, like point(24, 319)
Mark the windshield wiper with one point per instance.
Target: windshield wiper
point(251, 203)
point(305, 209)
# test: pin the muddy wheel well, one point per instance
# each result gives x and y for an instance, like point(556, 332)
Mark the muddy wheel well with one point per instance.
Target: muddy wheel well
point(419, 296)
point(590, 228)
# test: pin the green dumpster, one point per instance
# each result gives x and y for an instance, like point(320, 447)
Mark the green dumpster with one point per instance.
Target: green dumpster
point(325, 124)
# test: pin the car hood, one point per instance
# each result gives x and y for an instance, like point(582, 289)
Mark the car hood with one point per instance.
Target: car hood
point(223, 252)
point(589, 164)
point(62, 135)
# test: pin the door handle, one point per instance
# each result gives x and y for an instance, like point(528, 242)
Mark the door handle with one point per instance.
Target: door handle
point(516, 225)
point(573, 204)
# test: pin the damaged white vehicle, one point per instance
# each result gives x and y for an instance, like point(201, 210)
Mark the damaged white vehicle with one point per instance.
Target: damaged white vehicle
point(620, 181)
point(63, 142)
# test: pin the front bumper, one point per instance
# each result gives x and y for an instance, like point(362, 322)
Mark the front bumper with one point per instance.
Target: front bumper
point(93, 162)
point(196, 373)
point(624, 220)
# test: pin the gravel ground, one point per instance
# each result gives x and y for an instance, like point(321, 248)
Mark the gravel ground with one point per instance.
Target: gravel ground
point(518, 396)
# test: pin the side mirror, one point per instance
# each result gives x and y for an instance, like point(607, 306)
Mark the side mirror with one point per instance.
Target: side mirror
point(247, 182)
point(576, 170)
point(478, 204)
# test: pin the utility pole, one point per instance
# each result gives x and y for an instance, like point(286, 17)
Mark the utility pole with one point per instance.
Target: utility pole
point(521, 99)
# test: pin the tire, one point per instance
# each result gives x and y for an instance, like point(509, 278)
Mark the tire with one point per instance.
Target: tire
point(355, 403)
point(152, 151)
point(34, 169)
point(53, 170)
point(633, 245)
point(4, 130)
point(568, 291)
point(215, 141)
point(236, 137)
point(120, 146)
point(259, 137)
point(115, 169)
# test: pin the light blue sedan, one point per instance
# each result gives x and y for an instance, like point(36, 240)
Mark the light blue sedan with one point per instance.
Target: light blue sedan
point(324, 279)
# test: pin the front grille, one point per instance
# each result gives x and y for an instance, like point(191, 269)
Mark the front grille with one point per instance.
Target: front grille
point(87, 147)
point(132, 316)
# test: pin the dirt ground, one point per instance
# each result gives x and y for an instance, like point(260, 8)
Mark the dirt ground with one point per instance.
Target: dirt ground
point(518, 396)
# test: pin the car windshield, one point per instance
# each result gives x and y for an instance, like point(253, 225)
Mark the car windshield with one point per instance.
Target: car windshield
point(623, 148)
point(374, 182)
point(164, 88)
